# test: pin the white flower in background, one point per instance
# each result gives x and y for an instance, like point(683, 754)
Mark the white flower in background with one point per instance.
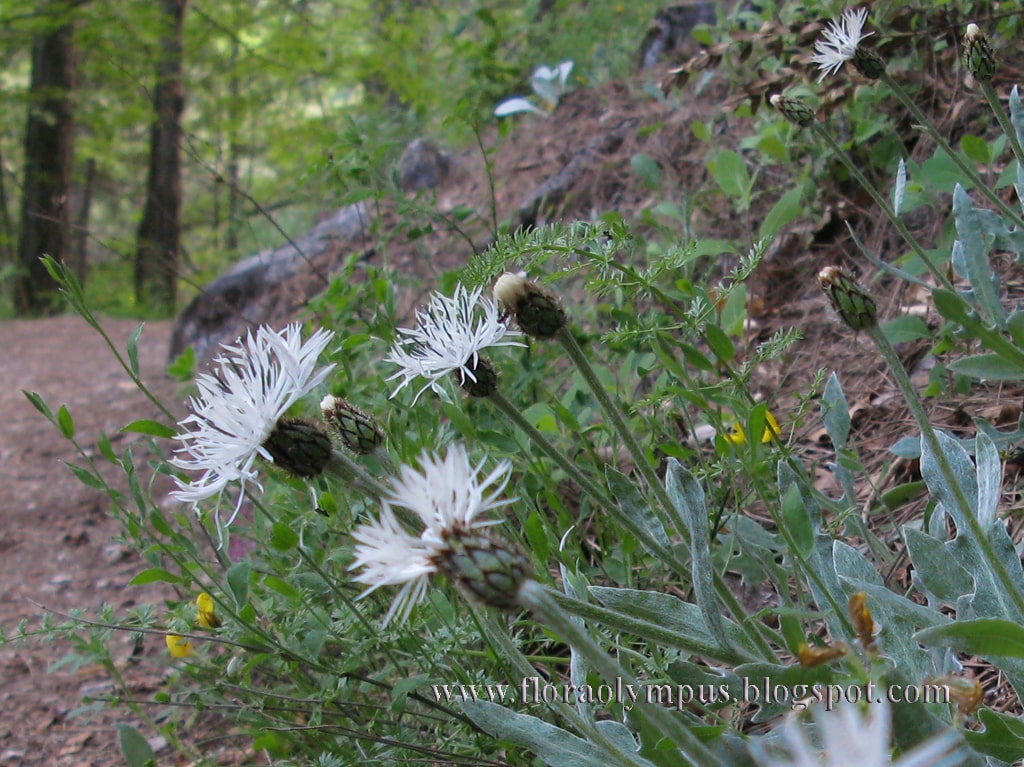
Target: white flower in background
point(852, 736)
point(449, 335)
point(840, 42)
point(238, 407)
point(447, 495)
point(549, 85)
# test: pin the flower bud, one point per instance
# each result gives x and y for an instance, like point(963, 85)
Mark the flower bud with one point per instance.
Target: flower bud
point(852, 303)
point(484, 381)
point(797, 111)
point(299, 447)
point(538, 311)
point(486, 567)
point(812, 657)
point(205, 615)
point(359, 432)
point(978, 55)
point(863, 622)
point(868, 63)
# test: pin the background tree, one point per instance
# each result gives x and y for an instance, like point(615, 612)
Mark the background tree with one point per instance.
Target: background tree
point(49, 154)
point(159, 235)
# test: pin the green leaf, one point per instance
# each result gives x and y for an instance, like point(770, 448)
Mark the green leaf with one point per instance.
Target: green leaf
point(687, 498)
point(133, 349)
point(935, 566)
point(66, 424)
point(282, 587)
point(1002, 738)
point(730, 171)
point(835, 412)
point(636, 509)
point(984, 636)
point(282, 537)
point(86, 476)
point(552, 745)
point(988, 367)
point(150, 427)
point(155, 575)
point(720, 343)
point(39, 404)
point(970, 257)
point(945, 488)
point(907, 328)
point(798, 521)
point(238, 583)
point(134, 748)
point(783, 212)
point(976, 148)
point(647, 170)
point(184, 366)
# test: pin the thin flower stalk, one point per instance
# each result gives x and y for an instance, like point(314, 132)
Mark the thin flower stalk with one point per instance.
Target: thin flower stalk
point(1004, 122)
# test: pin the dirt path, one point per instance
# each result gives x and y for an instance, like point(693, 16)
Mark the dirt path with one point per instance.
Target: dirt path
point(57, 548)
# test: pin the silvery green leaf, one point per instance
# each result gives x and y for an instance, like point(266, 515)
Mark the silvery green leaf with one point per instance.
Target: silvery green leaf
point(577, 665)
point(900, 188)
point(963, 476)
point(687, 498)
point(636, 509)
point(990, 478)
point(835, 412)
point(972, 260)
point(553, 745)
point(1004, 236)
point(906, 447)
point(514, 106)
point(935, 568)
point(1019, 186)
point(1017, 115)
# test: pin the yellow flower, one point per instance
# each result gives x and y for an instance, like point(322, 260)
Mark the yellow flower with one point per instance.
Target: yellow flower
point(178, 646)
point(738, 435)
point(205, 615)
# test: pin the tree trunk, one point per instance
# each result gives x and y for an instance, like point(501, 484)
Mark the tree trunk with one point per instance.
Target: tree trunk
point(49, 154)
point(159, 235)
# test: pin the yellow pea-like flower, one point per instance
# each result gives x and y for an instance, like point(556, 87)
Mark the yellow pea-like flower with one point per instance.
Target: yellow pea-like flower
point(178, 646)
point(738, 435)
point(205, 616)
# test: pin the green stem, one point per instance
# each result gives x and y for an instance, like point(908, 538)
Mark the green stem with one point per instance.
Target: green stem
point(971, 173)
point(1004, 122)
point(760, 634)
point(966, 511)
point(661, 720)
point(883, 203)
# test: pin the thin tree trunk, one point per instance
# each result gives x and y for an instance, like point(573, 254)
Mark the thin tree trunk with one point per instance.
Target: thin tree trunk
point(49, 154)
point(159, 236)
point(79, 261)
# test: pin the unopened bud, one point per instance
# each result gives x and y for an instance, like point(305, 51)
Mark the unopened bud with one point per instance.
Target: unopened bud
point(868, 63)
point(863, 622)
point(811, 657)
point(797, 111)
point(359, 432)
point(490, 569)
point(978, 55)
point(300, 447)
point(852, 303)
point(537, 311)
point(484, 379)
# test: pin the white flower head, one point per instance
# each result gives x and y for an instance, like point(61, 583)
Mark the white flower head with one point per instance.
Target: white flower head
point(448, 496)
point(840, 41)
point(449, 335)
point(238, 407)
point(850, 735)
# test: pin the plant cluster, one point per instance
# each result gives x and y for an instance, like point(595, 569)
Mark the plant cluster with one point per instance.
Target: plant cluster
point(533, 556)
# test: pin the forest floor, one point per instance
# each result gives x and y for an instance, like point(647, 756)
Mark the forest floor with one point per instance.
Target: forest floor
point(59, 551)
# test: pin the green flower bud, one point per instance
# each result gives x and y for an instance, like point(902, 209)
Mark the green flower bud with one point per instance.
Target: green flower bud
point(537, 311)
point(797, 111)
point(300, 447)
point(978, 55)
point(488, 568)
point(868, 63)
point(359, 432)
point(486, 382)
point(852, 303)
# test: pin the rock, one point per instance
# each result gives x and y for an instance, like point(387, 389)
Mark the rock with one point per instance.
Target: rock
point(422, 166)
point(270, 287)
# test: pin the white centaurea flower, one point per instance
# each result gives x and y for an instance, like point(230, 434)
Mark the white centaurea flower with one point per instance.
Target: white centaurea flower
point(449, 335)
point(840, 42)
point(238, 408)
point(849, 735)
point(448, 497)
